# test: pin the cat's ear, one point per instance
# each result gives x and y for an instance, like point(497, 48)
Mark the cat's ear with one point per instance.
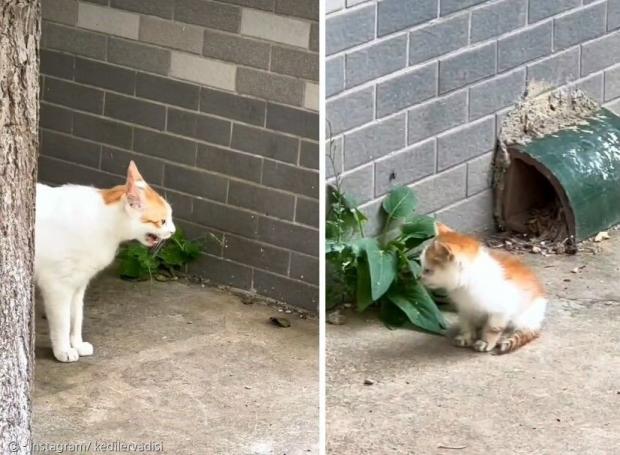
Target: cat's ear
point(443, 251)
point(442, 228)
point(134, 187)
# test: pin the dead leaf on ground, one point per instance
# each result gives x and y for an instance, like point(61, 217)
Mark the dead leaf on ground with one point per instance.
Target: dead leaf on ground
point(442, 446)
point(603, 235)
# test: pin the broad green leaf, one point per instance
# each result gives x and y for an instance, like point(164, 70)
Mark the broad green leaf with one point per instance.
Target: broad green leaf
point(399, 204)
point(391, 315)
point(415, 268)
point(382, 266)
point(363, 293)
point(416, 303)
point(417, 231)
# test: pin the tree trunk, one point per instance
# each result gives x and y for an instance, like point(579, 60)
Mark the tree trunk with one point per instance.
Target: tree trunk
point(19, 120)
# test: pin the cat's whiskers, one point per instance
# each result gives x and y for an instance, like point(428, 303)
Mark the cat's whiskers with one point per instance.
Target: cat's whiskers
point(158, 246)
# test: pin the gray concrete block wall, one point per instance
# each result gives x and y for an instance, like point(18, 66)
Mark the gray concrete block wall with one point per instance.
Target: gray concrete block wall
point(217, 103)
point(417, 89)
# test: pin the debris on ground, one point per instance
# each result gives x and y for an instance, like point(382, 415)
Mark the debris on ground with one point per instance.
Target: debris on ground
point(525, 243)
point(443, 446)
point(603, 235)
point(578, 269)
point(250, 298)
point(336, 317)
point(369, 382)
point(280, 322)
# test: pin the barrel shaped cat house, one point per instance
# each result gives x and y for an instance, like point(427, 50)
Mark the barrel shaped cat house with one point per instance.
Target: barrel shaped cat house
point(573, 174)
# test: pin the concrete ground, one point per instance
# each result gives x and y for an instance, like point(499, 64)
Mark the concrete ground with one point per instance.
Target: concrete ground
point(189, 367)
point(558, 395)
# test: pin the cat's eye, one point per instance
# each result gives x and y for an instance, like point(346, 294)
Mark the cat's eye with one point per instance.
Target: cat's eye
point(427, 271)
point(163, 222)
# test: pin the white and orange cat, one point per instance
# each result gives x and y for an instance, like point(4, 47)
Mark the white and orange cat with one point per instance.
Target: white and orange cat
point(78, 230)
point(500, 302)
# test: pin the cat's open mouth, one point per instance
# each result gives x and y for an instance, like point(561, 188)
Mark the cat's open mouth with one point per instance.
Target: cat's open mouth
point(152, 239)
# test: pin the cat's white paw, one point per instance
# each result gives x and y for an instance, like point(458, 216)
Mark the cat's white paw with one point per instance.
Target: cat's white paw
point(503, 346)
point(84, 349)
point(67, 355)
point(482, 346)
point(463, 340)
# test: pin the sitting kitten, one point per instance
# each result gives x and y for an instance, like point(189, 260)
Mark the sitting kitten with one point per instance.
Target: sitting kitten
point(496, 296)
point(77, 232)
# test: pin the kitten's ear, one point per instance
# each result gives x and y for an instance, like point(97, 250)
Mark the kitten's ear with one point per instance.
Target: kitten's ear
point(442, 228)
point(135, 187)
point(443, 251)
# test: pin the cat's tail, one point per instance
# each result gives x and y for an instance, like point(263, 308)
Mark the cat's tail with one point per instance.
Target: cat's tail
point(515, 340)
point(527, 327)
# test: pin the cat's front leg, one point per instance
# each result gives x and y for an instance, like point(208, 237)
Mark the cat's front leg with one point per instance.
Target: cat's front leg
point(467, 332)
point(57, 300)
point(77, 315)
point(491, 332)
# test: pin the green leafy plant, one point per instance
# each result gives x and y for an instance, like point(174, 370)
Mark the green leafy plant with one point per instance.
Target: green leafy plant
point(385, 270)
point(137, 262)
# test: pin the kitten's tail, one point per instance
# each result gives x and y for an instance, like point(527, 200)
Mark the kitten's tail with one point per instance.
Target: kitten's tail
point(515, 340)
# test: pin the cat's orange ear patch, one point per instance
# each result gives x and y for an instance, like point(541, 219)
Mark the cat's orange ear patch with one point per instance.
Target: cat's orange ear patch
point(442, 228)
point(113, 195)
point(439, 253)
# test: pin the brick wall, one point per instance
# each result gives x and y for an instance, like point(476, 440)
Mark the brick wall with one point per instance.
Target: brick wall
point(417, 88)
point(216, 102)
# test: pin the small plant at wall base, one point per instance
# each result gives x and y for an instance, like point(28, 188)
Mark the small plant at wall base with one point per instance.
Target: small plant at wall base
point(137, 262)
point(385, 270)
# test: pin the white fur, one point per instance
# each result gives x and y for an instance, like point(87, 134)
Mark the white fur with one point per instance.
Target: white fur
point(76, 236)
point(480, 290)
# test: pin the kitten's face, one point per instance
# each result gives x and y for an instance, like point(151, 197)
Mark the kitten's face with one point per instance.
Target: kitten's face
point(443, 261)
point(440, 269)
point(150, 216)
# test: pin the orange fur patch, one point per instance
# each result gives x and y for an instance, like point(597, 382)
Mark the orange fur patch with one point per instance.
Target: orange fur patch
point(155, 207)
point(519, 273)
point(451, 242)
point(112, 195)
point(516, 340)
point(442, 228)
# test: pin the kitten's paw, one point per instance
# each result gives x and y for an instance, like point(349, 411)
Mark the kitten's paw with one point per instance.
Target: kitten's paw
point(482, 346)
point(463, 340)
point(503, 346)
point(84, 349)
point(67, 355)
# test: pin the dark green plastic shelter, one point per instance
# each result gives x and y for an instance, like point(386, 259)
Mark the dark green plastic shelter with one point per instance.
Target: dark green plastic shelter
point(579, 167)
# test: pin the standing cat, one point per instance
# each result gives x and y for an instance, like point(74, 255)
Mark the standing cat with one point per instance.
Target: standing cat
point(500, 302)
point(77, 232)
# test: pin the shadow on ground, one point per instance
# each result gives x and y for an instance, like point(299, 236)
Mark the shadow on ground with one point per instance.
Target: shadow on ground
point(558, 395)
point(190, 367)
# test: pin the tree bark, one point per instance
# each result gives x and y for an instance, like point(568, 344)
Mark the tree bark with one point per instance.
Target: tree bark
point(19, 120)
